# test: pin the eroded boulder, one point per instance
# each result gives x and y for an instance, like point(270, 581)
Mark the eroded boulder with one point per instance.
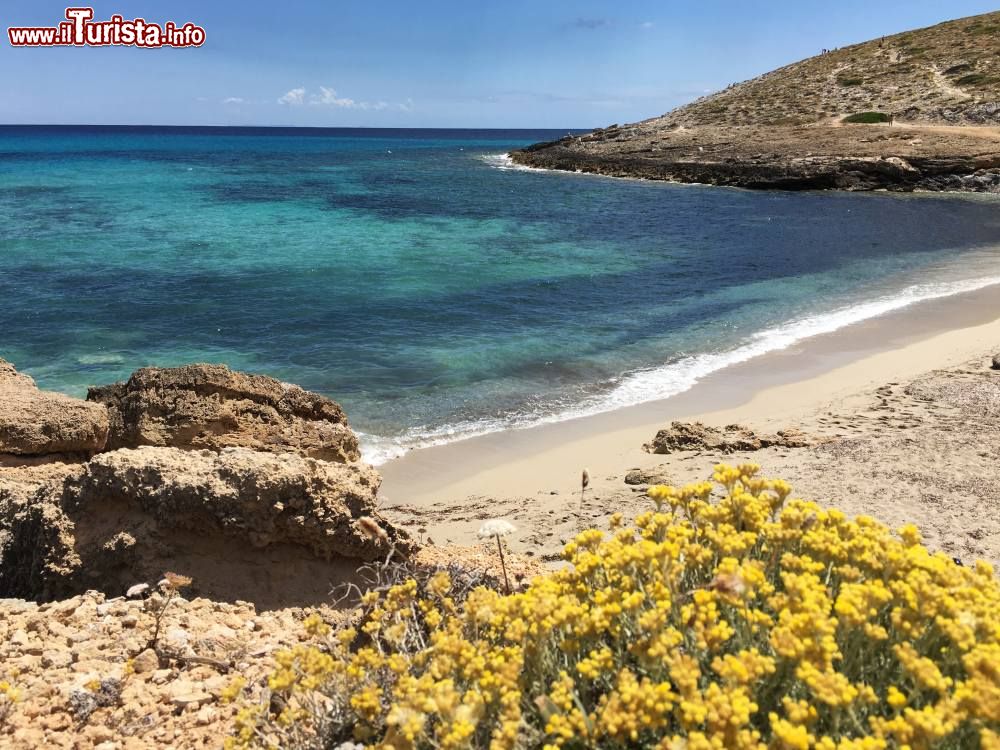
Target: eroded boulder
point(656, 475)
point(129, 515)
point(38, 425)
point(734, 438)
point(212, 407)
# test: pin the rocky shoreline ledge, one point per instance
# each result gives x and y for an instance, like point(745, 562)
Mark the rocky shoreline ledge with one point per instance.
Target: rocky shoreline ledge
point(902, 158)
point(186, 467)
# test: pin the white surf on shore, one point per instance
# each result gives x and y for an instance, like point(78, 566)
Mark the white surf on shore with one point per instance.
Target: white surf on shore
point(662, 382)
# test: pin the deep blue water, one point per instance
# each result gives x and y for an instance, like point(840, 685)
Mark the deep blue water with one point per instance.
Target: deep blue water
point(416, 278)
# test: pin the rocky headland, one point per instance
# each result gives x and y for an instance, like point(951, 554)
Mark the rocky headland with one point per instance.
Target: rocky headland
point(914, 111)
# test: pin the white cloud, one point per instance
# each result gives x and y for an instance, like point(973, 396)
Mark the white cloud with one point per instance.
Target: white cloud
point(328, 97)
point(233, 100)
point(647, 25)
point(295, 97)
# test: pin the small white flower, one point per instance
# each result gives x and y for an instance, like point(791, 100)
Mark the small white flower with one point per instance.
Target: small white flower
point(496, 527)
point(138, 590)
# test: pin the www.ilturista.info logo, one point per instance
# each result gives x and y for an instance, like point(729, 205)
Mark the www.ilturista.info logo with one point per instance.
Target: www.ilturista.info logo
point(80, 30)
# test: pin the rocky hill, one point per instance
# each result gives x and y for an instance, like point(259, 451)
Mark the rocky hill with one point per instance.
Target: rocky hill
point(949, 73)
point(917, 110)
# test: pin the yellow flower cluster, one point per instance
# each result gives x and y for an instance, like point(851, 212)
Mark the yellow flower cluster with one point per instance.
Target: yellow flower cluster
point(8, 692)
point(743, 620)
point(9, 695)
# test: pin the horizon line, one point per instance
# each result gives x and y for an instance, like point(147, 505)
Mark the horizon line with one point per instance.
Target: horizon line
point(276, 127)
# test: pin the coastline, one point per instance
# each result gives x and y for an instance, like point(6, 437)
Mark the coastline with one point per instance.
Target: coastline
point(771, 391)
point(911, 156)
point(659, 382)
point(506, 162)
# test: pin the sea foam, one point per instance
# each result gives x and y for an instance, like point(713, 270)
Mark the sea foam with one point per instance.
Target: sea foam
point(657, 383)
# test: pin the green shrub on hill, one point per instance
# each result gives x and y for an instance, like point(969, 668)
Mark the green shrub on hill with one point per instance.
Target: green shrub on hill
point(866, 118)
point(971, 79)
point(979, 29)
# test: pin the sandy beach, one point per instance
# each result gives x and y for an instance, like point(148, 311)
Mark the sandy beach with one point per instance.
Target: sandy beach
point(902, 409)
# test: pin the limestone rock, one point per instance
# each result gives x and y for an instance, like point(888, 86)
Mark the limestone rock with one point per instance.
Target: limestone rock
point(212, 407)
point(37, 424)
point(734, 438)
point(646, 476)
point(228, 519)
point(147, 661)
point(996, 361)
point(184, 693)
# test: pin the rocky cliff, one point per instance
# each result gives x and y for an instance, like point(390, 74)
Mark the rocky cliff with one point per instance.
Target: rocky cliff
point(235, 480)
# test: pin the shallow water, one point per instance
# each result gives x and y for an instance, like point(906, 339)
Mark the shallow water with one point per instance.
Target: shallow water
point(415, 278)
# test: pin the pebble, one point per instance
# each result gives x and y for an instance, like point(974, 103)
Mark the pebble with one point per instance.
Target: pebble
point(161, 676)
point(184, 693)
point(177, 637)
point(98, 734)
point(205, 715)
point(145, 662)
point(87, 638)
point(56, 722)
point(56, 659)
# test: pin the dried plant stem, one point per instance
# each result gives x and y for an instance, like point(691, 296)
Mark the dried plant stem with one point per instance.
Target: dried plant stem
point(222, 666)
point(159, 620)
point(503, 564)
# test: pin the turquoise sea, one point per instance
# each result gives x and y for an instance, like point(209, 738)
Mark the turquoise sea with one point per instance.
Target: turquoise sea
point(423, 282)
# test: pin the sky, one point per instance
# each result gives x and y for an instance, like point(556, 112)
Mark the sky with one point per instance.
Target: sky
point(436, 63)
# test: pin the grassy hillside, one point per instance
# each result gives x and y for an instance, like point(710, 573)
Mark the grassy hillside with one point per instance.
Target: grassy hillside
point(949, 73)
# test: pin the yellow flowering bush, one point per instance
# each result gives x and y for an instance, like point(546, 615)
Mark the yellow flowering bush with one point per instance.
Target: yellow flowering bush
point(736, 618)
